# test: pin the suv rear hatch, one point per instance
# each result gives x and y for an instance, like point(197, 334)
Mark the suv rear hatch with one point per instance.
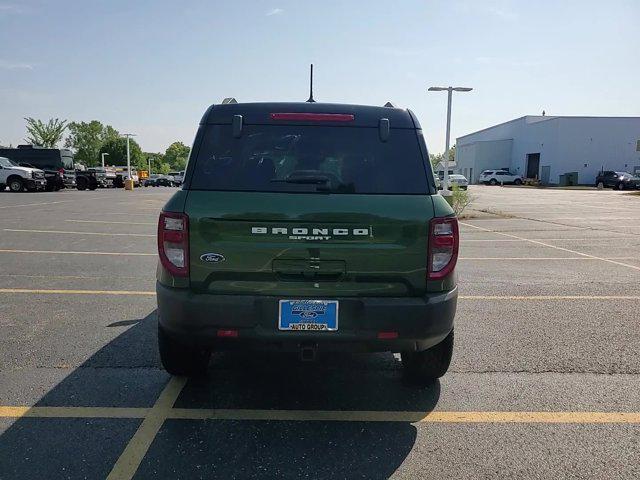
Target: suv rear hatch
point(309, 210)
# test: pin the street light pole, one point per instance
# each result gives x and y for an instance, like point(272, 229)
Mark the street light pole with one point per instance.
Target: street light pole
point(445, 160)
point(128, 136)
point(103, 155)
point(150, 158)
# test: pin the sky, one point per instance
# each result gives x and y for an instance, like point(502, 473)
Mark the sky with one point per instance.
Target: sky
point(153, 67)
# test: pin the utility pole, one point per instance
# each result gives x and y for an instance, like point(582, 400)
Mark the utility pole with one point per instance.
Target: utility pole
point(445, 161)
point(150, 158)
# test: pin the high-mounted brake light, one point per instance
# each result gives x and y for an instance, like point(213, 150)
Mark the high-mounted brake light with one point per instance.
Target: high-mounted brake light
point(444, 240)
point(313, 117)
point(173, 243)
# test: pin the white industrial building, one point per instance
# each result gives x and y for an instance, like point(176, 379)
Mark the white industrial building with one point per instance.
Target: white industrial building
point(556, 150)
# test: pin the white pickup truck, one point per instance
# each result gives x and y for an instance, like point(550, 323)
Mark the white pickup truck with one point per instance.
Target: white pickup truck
point(19, 178)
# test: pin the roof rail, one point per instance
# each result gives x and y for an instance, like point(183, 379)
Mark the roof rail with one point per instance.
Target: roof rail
point(229, 100)
point(389, 105)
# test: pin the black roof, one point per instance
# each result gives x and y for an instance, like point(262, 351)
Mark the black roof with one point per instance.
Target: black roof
point(259, 114)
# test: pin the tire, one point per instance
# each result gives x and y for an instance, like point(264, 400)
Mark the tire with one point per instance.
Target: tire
point(517, 181)
point(2, 187)
point(181, 359)
point(426, 366)
point(493, 181)
point(81, 183)
point(16, 184)
point(620, 186)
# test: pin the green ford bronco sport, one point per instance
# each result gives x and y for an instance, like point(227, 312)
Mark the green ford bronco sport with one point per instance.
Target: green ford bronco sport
point(307, 227)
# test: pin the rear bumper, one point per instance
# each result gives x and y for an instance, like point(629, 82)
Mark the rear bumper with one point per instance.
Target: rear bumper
point(420, 322)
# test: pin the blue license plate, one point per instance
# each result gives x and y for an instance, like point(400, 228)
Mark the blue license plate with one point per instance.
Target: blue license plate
point(308, 315)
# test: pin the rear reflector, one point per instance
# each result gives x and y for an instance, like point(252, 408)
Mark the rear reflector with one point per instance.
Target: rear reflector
point(313, 117)
point(387, 335)
point(227, 333)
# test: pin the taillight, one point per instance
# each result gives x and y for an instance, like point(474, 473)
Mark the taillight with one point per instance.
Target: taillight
point(443, 247)
point(173, 243)
point(61, 172)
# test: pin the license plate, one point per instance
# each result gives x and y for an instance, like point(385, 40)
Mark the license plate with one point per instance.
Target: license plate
point(308, 315)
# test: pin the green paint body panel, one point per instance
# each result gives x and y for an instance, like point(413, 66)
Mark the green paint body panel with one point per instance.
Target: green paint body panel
point(389, 261)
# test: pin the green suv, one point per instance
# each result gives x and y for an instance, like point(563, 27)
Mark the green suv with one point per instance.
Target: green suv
point(307, 227)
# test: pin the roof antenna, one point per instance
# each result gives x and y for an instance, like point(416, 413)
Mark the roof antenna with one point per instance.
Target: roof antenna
point(311, 100)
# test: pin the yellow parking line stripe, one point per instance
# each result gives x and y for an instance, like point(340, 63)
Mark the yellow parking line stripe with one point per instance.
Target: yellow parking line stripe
point(163, 410)
point(118, 223)
point(536, 242)
point(136, 449)
point(67, 252)
point(76, 292)
point(73, 412)
point(80, 233)
point(411, 417)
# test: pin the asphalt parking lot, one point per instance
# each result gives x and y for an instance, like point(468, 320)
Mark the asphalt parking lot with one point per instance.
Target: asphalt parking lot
point(545, 381)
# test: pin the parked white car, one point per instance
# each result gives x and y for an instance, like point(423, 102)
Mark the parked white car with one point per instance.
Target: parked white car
point(459, 180)
point(497, 177)
point(19, 178)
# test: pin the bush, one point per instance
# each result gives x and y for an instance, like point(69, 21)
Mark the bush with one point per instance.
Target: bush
point(460, 199)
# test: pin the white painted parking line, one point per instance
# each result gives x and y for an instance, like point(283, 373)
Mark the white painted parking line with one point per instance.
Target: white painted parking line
point(35, 204)
point(114, 223)
point(68, 252)
point(545, 258)
point(593, 239)
point(536, 242)
point(80, 233)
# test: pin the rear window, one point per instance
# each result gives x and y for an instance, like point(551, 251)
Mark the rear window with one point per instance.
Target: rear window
point(293, 158)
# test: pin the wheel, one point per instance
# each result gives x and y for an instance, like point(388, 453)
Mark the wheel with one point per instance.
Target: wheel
point(427, 365)
point(517, 181)
point(15, 184)
point(493, 181)
point(620, 186)
point(181, 359)
point(599, 185)
point(81, 183)
point(93, 185)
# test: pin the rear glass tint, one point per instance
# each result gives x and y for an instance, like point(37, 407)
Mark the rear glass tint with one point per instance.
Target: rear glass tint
point(293, 158)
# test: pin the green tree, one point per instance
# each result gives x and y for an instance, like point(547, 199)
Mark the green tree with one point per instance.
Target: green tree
point(176, 155)
point(45, 135)
point(156, 160)
point(436, 158)
point(117, 149)
point(164, 168)
point(87, 138)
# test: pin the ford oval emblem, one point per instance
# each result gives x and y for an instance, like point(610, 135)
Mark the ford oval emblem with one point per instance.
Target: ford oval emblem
point(212, 258)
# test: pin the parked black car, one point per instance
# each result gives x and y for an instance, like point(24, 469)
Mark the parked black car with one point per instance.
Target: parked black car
point(618, 180)
point(159, 182)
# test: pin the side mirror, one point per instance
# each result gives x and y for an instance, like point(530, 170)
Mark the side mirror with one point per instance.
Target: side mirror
point(237, 126)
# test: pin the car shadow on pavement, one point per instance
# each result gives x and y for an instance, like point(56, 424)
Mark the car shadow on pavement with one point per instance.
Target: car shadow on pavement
point(126, 372)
